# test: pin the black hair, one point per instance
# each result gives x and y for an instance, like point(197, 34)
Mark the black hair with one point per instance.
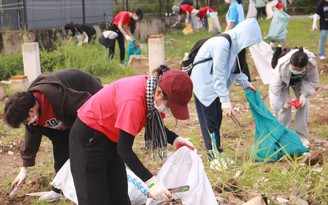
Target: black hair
point(17, 108)
point(159, 71)
point(299, 58)
point(70, 26)
point(139, 13)
point(239, 1)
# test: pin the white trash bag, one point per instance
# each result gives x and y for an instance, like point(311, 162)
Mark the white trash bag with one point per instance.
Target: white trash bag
point(63, 180)
point(262, 55)
point(185, 167)
point(213, 22)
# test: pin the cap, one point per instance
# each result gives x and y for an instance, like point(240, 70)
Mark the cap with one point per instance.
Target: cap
point(176, 9)
point(178, 86)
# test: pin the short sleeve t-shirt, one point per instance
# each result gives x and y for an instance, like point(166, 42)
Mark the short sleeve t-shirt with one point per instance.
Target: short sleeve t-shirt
point(203, 11)
point(47, 117)
point(120, 105)
point(322, 11)
point(186, 7)
point(124, 17)
point(235, 13)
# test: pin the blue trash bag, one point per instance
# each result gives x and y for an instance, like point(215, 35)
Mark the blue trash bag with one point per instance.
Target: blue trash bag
point(278, 31)
point(272, 139)
point(132, 50)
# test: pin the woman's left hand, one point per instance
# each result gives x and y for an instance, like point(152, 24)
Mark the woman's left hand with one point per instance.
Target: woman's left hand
point(180, 142)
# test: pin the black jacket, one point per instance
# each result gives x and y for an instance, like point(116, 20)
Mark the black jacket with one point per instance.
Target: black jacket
point(66, 90)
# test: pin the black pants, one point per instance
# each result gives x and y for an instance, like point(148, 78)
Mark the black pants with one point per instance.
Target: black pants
point(98, 172)
point(210, 119)
point(120, 41)
point(60, 147)
point(261, 13)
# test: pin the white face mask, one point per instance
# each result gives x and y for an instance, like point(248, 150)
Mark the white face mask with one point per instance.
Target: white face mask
point(162, 108)
point(70, 33)
point(227, 1)
point(33, 119)
point(295, 72)
point(136, 18)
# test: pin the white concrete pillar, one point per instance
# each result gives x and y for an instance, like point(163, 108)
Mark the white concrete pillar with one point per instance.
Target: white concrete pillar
point(19, 83)
point(2, 91)
point(156, 51)
point(31, 60)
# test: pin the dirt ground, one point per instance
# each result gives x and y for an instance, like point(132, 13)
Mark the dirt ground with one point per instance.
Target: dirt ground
point(10, 159)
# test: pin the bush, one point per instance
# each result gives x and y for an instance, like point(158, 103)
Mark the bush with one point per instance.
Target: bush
point(11, 65)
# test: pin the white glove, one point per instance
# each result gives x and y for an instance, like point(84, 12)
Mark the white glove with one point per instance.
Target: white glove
point(157, 189)
point(287, 105)
point(128, 38)
point(180, 142)
point(302, 99)
point(226, 108)
point(19, 180)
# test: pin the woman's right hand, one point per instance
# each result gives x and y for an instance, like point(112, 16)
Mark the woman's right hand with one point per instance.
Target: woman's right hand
point(157, 189)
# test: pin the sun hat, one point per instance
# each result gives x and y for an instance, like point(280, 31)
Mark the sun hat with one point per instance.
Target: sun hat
point(178, 87)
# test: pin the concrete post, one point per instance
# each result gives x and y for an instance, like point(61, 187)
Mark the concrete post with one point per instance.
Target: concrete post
point(156, 51)
point(19, 83)
point(31, 60)
point(2, 91)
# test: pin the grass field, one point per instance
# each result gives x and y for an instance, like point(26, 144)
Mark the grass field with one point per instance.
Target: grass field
point(288, 178)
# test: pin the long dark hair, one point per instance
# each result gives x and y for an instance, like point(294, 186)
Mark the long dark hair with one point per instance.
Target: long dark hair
point(139, 13)
point(299, 58)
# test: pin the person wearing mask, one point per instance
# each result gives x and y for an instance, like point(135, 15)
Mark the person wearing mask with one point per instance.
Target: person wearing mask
point(48, 107)
point(123, 25)
point(322, 13)
point(212, 80)
point(296, 70)
point(84, 33)
point(102, 136)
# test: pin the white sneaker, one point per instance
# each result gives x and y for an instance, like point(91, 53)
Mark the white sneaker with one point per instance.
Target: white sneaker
point(272, 44)
point(218, 164)
point(322, 57)
point(221, 162)
point(51, 196)
point(305, 142)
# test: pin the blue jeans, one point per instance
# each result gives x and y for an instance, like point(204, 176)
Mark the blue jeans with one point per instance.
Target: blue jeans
point(322, 42)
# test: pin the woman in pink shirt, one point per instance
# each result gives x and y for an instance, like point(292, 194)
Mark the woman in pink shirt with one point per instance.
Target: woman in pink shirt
point(102, 137)
point(124, 24)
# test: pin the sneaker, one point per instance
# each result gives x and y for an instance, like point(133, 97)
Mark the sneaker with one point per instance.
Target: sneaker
point(51, 196)
point(272, 44)
point(218, 164)
point(322, 58)
point(305, 142)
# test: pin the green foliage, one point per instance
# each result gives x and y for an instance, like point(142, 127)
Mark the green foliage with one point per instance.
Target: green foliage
point(10, 65)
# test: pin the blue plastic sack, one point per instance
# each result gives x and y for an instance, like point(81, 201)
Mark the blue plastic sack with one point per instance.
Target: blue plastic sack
point(132, 50)
point(272, 139)
point(278, 26)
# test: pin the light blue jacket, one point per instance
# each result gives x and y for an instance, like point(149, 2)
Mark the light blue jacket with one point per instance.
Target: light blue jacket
point(207, 86)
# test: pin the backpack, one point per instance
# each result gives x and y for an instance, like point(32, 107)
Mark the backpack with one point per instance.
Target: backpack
point(278, 53)
point(188, 64)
